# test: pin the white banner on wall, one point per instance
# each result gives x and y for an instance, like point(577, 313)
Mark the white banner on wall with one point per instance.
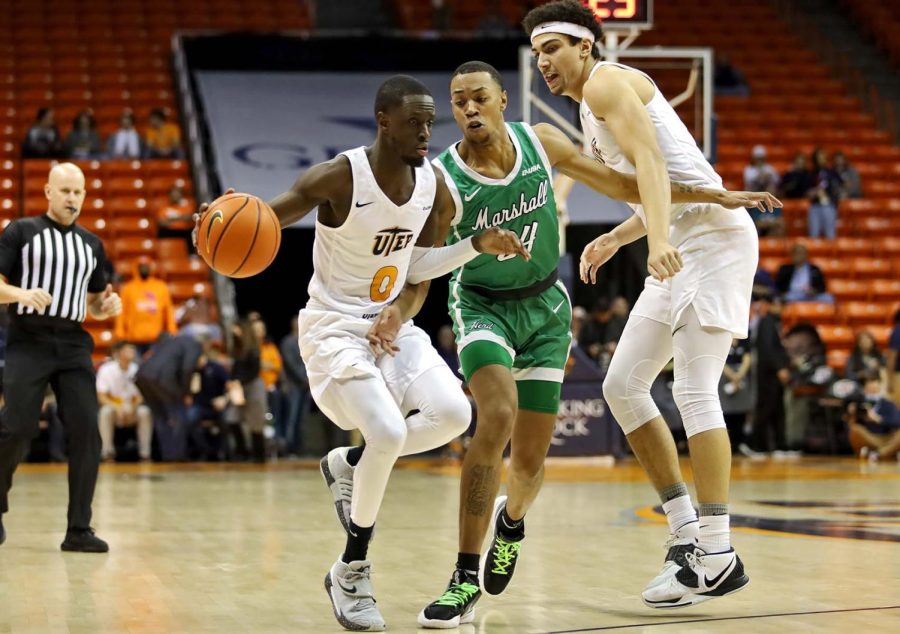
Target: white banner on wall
point(267, 128)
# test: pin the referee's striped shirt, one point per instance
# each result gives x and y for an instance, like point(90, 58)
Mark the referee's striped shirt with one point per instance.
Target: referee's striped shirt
point(66, 261)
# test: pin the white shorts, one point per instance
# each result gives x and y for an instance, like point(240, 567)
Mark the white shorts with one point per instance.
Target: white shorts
point(716, 279)
point(334, 346)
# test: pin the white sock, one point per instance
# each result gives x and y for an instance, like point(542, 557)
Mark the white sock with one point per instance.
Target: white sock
point(680, 512)
point(715, 534)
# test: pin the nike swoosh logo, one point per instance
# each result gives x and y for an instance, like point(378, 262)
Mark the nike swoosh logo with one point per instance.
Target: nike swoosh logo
point(560, 306)
point(217, 216)
point(711, 584)
point(350, 590)
point(472, 194)
point(364, 204)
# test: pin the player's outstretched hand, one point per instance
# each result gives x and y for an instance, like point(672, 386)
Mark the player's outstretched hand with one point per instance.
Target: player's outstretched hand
point(36, 298)
point(384, 331)
point(764, 201)
point(497, 241)
point(197, 217)
point(664, 261)
point(596, 254)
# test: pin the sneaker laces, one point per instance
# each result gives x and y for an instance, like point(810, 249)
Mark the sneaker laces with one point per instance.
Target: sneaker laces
point(345, 488)
point(506, 553)
point(351, 577)
point(457, 594)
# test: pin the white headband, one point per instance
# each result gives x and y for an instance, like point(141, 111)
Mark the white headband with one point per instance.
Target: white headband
point(567, 28)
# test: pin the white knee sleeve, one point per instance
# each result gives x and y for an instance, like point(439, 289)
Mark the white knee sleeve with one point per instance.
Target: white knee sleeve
point(699, 358)
point(643, 351)
point(444, 411)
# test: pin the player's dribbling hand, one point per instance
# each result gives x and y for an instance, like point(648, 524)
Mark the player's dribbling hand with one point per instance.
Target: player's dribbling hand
point(36, 298)
point(197, 217)
point(596, 254)
point(495, 241)
point(664, 261)
point(384, 331)
point(764, 201)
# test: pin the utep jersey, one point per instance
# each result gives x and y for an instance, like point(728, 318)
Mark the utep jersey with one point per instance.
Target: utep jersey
point(521, 202)
point(684, 160)
point(361, 266)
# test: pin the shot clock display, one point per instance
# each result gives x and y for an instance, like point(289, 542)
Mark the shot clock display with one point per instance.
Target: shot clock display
point(624, 13)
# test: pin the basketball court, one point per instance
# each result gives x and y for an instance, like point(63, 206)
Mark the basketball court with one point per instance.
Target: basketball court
point(204, 548)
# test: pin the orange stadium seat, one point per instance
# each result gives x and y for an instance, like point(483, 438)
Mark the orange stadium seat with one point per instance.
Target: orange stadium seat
point(833, 267)
point(122, 226)
point(849, 290)
point(191, 268)
point(866, 312)
point(772, 264)
point(183, 291)
point(815, 312)
point(853, 247)
point(837, 359)
point(871, 267)
point(172, 248)
point(837, 337)
point(886, 290)
point(130, 247)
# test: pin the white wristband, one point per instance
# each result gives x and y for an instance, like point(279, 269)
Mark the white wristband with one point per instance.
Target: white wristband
point(428, 263)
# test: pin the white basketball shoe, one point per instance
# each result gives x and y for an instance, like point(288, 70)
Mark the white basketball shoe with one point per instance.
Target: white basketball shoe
point(349, 586)
point(704, 576)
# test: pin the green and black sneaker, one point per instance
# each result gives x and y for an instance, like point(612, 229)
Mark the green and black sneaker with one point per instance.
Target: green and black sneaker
point(455, 607)
point(500, 560)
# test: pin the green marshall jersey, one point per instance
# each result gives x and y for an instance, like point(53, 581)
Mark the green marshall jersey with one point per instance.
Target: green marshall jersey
point(521, 202)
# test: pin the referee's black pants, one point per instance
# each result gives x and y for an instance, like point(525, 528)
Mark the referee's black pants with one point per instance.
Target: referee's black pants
point(62, 360)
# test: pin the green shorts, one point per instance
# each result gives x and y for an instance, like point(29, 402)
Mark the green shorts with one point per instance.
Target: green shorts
point(530, 336)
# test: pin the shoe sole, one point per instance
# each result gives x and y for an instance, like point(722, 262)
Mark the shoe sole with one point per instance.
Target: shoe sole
point(499, 503)
point(436, 624)
point(347, 625)
point(329, 480)
point(694, 599)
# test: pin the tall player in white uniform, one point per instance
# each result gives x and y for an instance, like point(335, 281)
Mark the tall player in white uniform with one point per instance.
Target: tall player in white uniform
point(696, 299)
point(380, 210)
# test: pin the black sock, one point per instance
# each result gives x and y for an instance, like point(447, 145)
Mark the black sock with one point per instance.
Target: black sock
point(357, 543)
point(509, 527)
point(469, 563)
point(354, 455)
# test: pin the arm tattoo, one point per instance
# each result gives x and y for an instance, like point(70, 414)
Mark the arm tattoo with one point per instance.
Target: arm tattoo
point(481, 489)
point(683, 188)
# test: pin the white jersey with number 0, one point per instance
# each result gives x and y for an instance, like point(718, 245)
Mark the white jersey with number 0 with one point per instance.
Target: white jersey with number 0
point(361, 266)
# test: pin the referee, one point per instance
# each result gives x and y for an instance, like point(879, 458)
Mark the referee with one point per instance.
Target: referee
point(52, 274)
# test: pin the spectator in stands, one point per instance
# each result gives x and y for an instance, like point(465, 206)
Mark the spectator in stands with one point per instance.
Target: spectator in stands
point(207, 406)
point(593, 333)
point(493, 21)
point(125, 143)
point(735, 391)
point(761, 176)
point(810, 375)
point(296, 390)
point(619, 309)
point(121, 403)
point(196, 320)
point(772, 374)
point(43, 139)
point(163, 137)
point(801, 281)
point(83, 141)
point(874, 423)
point(446, 347)
point(852, 185)
point(866, 357)
point(824, 195)
point(164, 379)
point(270, 370)
point(174, 218)
point(442, 15)
point(246, 372)
point(146, 308)
point(892, 360)
point(728, 80)
point(763, 282)
point(795, 182)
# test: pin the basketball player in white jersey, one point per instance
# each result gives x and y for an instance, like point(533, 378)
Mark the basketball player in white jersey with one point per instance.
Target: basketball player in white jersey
point(696, 299)
point(380, 210)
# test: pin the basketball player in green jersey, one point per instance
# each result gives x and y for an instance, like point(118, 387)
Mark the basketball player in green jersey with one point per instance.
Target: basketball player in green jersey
point(512, 318)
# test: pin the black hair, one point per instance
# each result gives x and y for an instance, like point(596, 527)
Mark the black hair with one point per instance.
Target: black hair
point(158, 112)
point(92, 123)
point(394, 89)
point(476, 66)
point(566, 11)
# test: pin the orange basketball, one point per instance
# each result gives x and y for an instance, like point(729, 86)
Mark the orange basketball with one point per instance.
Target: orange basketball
point(239, 235)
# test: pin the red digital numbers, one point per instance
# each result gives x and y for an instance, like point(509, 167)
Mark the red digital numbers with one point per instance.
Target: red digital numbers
point(616, 9)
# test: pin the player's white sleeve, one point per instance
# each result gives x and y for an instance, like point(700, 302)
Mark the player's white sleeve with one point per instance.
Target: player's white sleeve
point(428, 263)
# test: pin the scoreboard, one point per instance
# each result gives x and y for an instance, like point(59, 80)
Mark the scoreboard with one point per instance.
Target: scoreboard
point(623, 13)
